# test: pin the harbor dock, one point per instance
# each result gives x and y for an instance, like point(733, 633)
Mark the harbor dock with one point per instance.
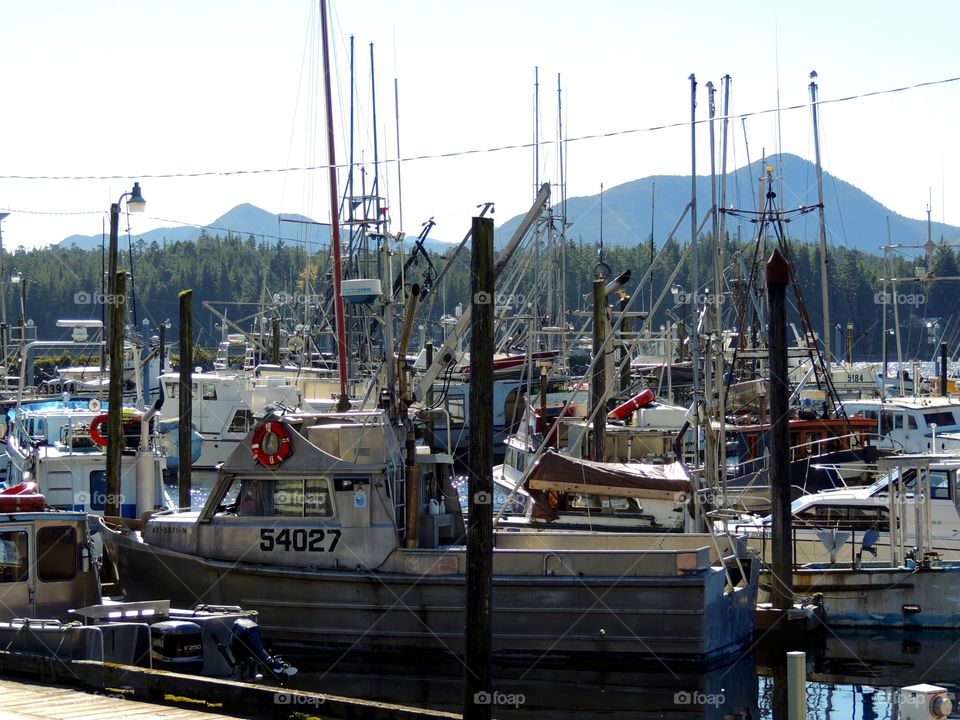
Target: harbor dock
point(91, 689)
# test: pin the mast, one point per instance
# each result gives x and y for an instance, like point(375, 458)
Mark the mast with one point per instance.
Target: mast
point(823, 227)
point(695, 262)
point(343, 402)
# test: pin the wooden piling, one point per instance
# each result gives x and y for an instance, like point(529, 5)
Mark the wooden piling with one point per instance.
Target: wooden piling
point(479, 580)
point(778, 277)
point(111, 506)
point(186, 397)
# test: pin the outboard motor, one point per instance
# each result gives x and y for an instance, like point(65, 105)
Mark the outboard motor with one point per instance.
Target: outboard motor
point(177, 645)
point(249, 654)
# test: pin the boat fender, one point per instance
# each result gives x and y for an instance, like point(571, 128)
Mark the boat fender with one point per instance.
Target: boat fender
point(271, 443)
point(641, 399)
point(98, 429)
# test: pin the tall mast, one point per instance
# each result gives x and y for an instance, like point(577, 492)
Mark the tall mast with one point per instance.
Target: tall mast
point(823, 227)
point(343, 403)
point(536, 130)
point(694, 253)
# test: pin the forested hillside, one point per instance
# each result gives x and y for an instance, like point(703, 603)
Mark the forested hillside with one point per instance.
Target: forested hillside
point(236, 274)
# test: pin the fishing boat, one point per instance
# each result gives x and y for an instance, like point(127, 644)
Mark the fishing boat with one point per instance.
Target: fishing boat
point(223, 409)
point(913, 586)
point(314, 524)
point(60, 446)
point(53, 609)
point(824, 453)
point(831, 524)
point(909, 424)
point(639, 486)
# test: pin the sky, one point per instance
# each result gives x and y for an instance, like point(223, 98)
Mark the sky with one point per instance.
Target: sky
point(215, 103)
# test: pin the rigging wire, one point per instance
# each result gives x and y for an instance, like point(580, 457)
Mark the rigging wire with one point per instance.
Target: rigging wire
point(480, 151)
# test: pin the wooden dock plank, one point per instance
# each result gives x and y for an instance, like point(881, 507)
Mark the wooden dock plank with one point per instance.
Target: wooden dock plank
point(26, 701)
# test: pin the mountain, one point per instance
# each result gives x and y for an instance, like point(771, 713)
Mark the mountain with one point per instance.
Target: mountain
point(243, 220)
point(853, 218)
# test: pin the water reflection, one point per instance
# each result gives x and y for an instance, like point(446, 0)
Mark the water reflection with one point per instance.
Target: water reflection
point(857, 674)
point(648, 692)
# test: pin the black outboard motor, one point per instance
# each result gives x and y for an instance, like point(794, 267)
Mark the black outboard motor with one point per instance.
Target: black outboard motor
point(246, 647)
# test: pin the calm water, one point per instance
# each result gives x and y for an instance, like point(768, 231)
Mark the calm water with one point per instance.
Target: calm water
point(851, 676)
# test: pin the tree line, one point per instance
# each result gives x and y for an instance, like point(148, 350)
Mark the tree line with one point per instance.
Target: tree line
point(239, 275)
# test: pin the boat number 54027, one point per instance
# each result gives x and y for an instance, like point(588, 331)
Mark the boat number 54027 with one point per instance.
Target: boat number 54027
point(298, 539)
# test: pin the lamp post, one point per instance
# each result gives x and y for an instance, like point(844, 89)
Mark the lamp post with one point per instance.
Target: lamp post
point(17, 279)
point(116, 286)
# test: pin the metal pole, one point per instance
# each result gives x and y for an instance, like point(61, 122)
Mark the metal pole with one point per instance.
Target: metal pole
point(824, 294)
point(479, 585)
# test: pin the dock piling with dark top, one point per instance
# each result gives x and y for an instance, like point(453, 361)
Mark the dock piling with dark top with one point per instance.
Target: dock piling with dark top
point(778, 277)
point(111, 507)
point(479, 581)
point(185, 397)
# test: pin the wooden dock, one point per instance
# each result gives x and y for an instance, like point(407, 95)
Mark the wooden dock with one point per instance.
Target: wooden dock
point(30, 700)
point(75, 687)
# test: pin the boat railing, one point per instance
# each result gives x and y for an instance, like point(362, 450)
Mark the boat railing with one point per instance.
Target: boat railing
point(801, 535)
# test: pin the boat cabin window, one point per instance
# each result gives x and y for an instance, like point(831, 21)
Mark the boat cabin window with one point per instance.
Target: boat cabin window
point(457, 409)
point(844, 517)
point(898, 421)
point(56, 553)
point(242, 421)
point(911, 422)
point(283, 497)
point(14, 561)
point(172, 388)
point(942, 419)
point(939, 485)
point(97, 496)
point(209, 391)
point(602, 503)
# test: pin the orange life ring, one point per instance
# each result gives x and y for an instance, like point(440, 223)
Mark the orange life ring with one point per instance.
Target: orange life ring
point(271, 443)
point(98, 429)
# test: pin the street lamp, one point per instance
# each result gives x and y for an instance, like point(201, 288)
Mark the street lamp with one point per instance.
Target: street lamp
point(17, 279)
point(135, 203)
